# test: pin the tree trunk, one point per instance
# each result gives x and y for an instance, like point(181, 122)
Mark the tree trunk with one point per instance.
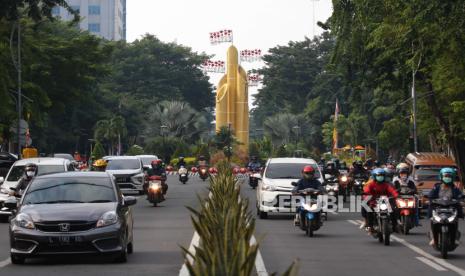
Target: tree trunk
point(457, 145)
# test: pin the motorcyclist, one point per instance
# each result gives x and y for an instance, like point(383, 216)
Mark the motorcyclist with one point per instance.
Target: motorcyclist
point(202, 162)
point(99, 165)
point(331, 170)
point(390, 173)
point(157, 169)
point(30, 171)
point(403, 180)
point(181, 162)
point(376, 187)
point(358, 171)
point(307, 181)
point(445, 189)
point(254, 165)
point(377, 164)
point(369, 163)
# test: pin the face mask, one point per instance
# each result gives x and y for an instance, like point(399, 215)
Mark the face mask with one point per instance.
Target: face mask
point(379, 178)
point(308, 176)
point(447, 180)
point(403, 177)
point(30, 173)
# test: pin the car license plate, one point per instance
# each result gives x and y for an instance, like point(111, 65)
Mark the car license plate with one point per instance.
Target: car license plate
point(65, 239)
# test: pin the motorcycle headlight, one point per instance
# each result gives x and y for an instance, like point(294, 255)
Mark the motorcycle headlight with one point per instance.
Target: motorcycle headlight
point(336, 187)
point(344, 178)
point(401, 203)
point(452, 218)
point(138, 178)
point(155, 186)
point(268, 188)
point(383, 207)
point(436, 217)
point(107, 218)
point(411, 203)
point(328, 188)
point(24, 221)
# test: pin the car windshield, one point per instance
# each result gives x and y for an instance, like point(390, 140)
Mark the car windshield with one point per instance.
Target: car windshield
point(123, 164)
point(17, 171)
point(288, 170)
point(430, 173)
point(70, 190)
point(147, 160)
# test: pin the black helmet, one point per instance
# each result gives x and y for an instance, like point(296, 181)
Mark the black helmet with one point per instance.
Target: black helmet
point(377, 163)
point(30, 167)
point(359, 163)
point(201, 157)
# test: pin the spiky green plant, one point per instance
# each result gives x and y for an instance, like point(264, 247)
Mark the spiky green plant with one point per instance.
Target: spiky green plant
point(225, 227)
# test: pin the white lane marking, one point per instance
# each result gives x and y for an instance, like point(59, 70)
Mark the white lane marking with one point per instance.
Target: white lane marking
point(431, 264)
point(259, 263)
point(194, 243)
point(334, 213)
point(5, 262)
point(352, 221)
point(420, 251)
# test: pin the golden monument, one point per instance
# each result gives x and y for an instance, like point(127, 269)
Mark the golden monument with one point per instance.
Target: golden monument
point(232, 100)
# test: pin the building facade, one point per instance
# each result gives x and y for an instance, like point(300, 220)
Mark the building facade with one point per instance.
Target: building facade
point(105, 18)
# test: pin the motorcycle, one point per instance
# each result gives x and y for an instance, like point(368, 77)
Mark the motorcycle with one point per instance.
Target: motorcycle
point(445, 225)
point(332, 186)
point(357, 186)
point(383, 226)
point(203, 173)
point(155, 190)
point(254, 175)
point(344, 186)
point(406, 209)
point(183, 176)
point(309, 214)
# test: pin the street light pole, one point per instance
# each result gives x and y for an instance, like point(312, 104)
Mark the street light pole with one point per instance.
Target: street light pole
point(162, 129)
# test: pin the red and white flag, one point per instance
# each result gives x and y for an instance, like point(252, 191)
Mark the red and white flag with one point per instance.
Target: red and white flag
point(221, 37)
point(253, 79)
point(250, 55)
point(214, 66)
point(335, 135)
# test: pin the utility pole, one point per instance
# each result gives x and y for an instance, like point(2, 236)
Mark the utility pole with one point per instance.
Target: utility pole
point(414, 107)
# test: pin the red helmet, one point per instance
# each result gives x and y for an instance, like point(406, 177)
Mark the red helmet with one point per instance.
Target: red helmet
point(308, 169)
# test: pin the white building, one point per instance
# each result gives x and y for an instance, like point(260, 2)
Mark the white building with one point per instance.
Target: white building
point(105, 18)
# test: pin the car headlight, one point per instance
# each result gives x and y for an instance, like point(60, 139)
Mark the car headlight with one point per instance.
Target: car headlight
point(268, 188)
point(5, 190)
point(107, 218)
point(24, 221)
point(138, 178)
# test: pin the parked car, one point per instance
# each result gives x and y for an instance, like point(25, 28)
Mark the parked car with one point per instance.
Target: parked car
point(128, 172)
point(45, 165)
point(6, 161)
point(425, 167)
point(72, 213)
point(147, 160)
point(276, 182)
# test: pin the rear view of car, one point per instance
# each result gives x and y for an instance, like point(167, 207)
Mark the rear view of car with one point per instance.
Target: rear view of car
point(72, 213)
point(128, 173)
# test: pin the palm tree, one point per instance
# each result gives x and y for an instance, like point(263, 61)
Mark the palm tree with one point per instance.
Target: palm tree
point(180, 119)
point(284, 128)
point(111, 131)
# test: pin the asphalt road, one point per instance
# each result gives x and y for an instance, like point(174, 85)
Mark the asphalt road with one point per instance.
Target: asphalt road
point(158, 234)
point(338, 248)
point(341, 248)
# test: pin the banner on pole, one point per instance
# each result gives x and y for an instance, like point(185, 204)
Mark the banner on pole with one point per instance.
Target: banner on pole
point(214, 66)
point(251, 55)
point(222, 36)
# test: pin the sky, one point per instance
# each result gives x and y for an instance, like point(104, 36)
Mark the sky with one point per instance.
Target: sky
point(256, 24)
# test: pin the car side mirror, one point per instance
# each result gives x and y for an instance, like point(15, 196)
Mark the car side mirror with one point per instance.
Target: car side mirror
point(2, 180)
point(294, 183)
point(129, 201)
point(11, 203)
